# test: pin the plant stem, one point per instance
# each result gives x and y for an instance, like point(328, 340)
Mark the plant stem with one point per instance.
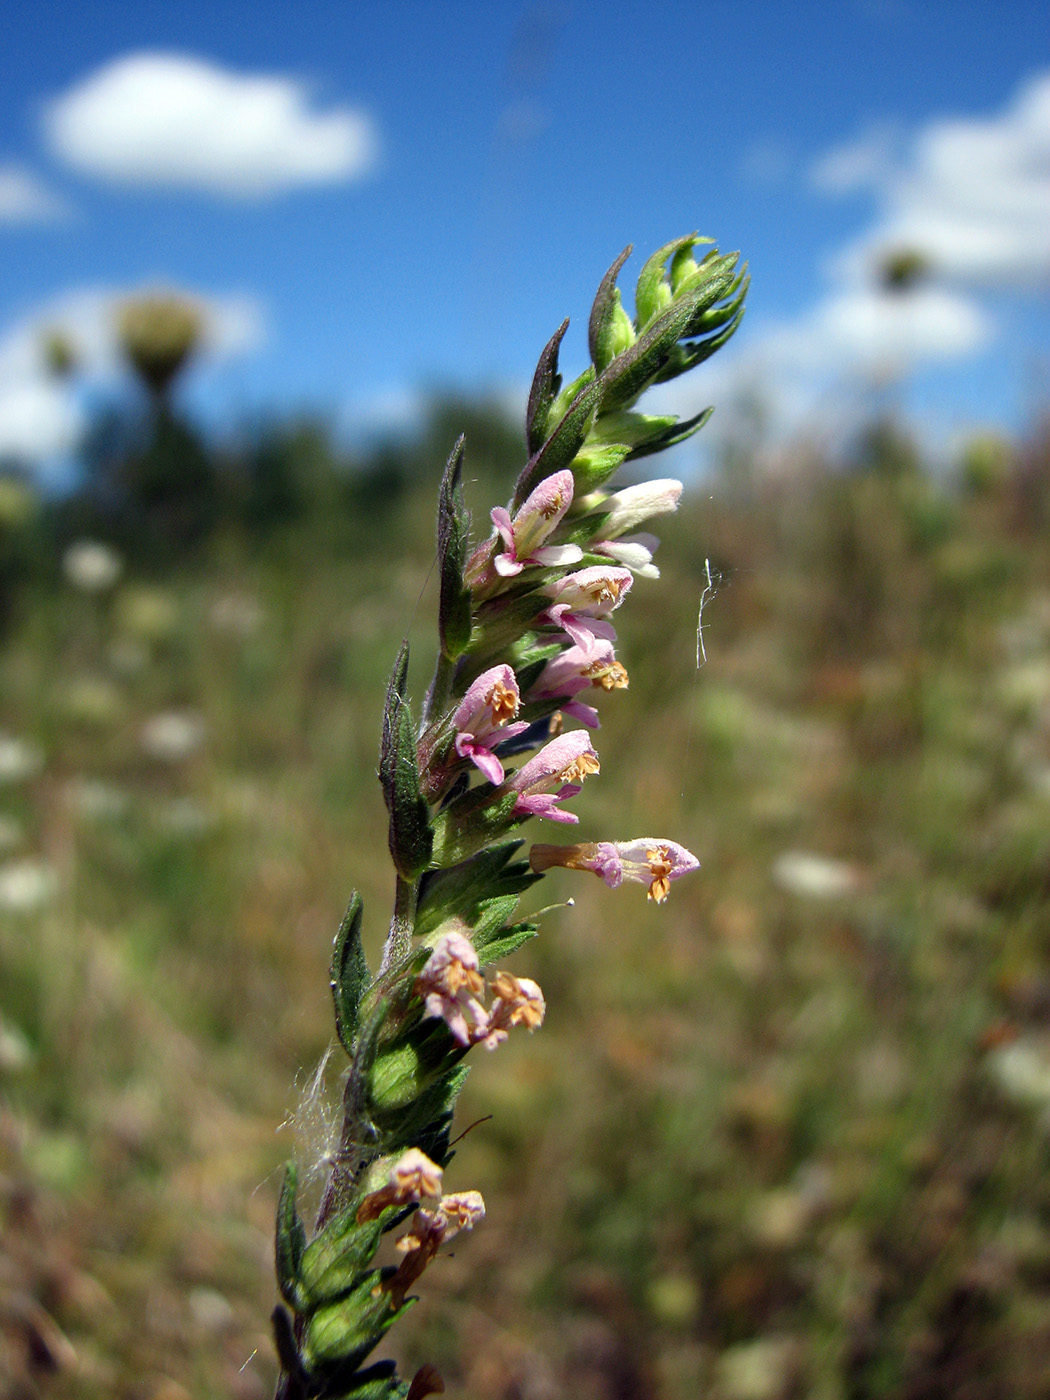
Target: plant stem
point(399, 940)
point(440, 688)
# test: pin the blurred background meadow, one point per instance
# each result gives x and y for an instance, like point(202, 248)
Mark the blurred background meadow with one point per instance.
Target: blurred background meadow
point(787, 1136)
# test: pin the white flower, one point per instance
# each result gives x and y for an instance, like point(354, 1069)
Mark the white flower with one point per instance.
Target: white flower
point(94, 799)
point(819, 877)
point(91, 566)
point(26, 885)
point(173, 735)
point(18, 760)
point(237, 614)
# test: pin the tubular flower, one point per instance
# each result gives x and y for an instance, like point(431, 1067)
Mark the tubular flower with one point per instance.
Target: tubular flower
point(413, 1177)
point(518, 1002)
point(625, 510)
point(556, 772)
point(649, 860)
point(481, 720)
point(429, 1230)
point(461, 1211)
point(635, 552)
point(576, 669)
point(581, 602)
point(450, 985)
point(535, 521)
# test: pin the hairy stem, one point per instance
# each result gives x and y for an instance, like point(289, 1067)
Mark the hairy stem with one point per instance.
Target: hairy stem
point(399, 940)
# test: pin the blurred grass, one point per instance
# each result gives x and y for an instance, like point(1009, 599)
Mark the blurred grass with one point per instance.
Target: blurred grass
point(786, 1136)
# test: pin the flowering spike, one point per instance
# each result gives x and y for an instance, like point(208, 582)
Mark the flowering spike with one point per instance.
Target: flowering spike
point(525, 640)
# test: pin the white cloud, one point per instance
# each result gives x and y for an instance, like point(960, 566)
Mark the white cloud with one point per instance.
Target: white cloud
point(24, 199)
point(42, 417)
point(865, 330)
point(866, 163)
point(814, 376)
point(972, 195)
point(169, 119)
point(38, 419)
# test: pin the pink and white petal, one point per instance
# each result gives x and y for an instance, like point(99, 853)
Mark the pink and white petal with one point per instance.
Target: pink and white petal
point(504, 526)
point(554, 555)
point(506, 565)
point(485, 760)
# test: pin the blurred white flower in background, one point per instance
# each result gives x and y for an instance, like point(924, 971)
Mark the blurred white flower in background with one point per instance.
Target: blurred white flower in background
point(819, 877)
point(19, 760)
point(237, 614)
point(94, 799)
point(185, 817)
point(26, 885)
point(1021, 1069)
point(173, 735)
point(91, 566)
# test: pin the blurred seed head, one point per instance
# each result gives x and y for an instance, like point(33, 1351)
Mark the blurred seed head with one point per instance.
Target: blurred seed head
point(60, 355)
point(159, 334)
point(902, 268)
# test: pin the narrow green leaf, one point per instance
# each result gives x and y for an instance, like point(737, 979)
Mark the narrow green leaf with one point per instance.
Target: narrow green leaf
point(409, 834)
point(290, 1240)
point(545, 385)
point(454, 613)
point(564, 442)
point(653, 291)
point(349, 973)
point(636, 368)
point(672, 436)
point(603, 314)
point(506, 942)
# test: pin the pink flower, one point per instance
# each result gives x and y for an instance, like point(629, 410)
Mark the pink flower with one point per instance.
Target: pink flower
point(556, 772)
point(649, 860)
point(535, 521)
point(518, 1001)
point(450, 985)
point(578, 668)
point(582, 600)
point(481, 720)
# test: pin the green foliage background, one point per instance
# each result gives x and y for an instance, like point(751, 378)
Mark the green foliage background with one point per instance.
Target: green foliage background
point(768, 1143)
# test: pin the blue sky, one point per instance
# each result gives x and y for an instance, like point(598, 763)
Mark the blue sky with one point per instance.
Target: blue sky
point(423, 190)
